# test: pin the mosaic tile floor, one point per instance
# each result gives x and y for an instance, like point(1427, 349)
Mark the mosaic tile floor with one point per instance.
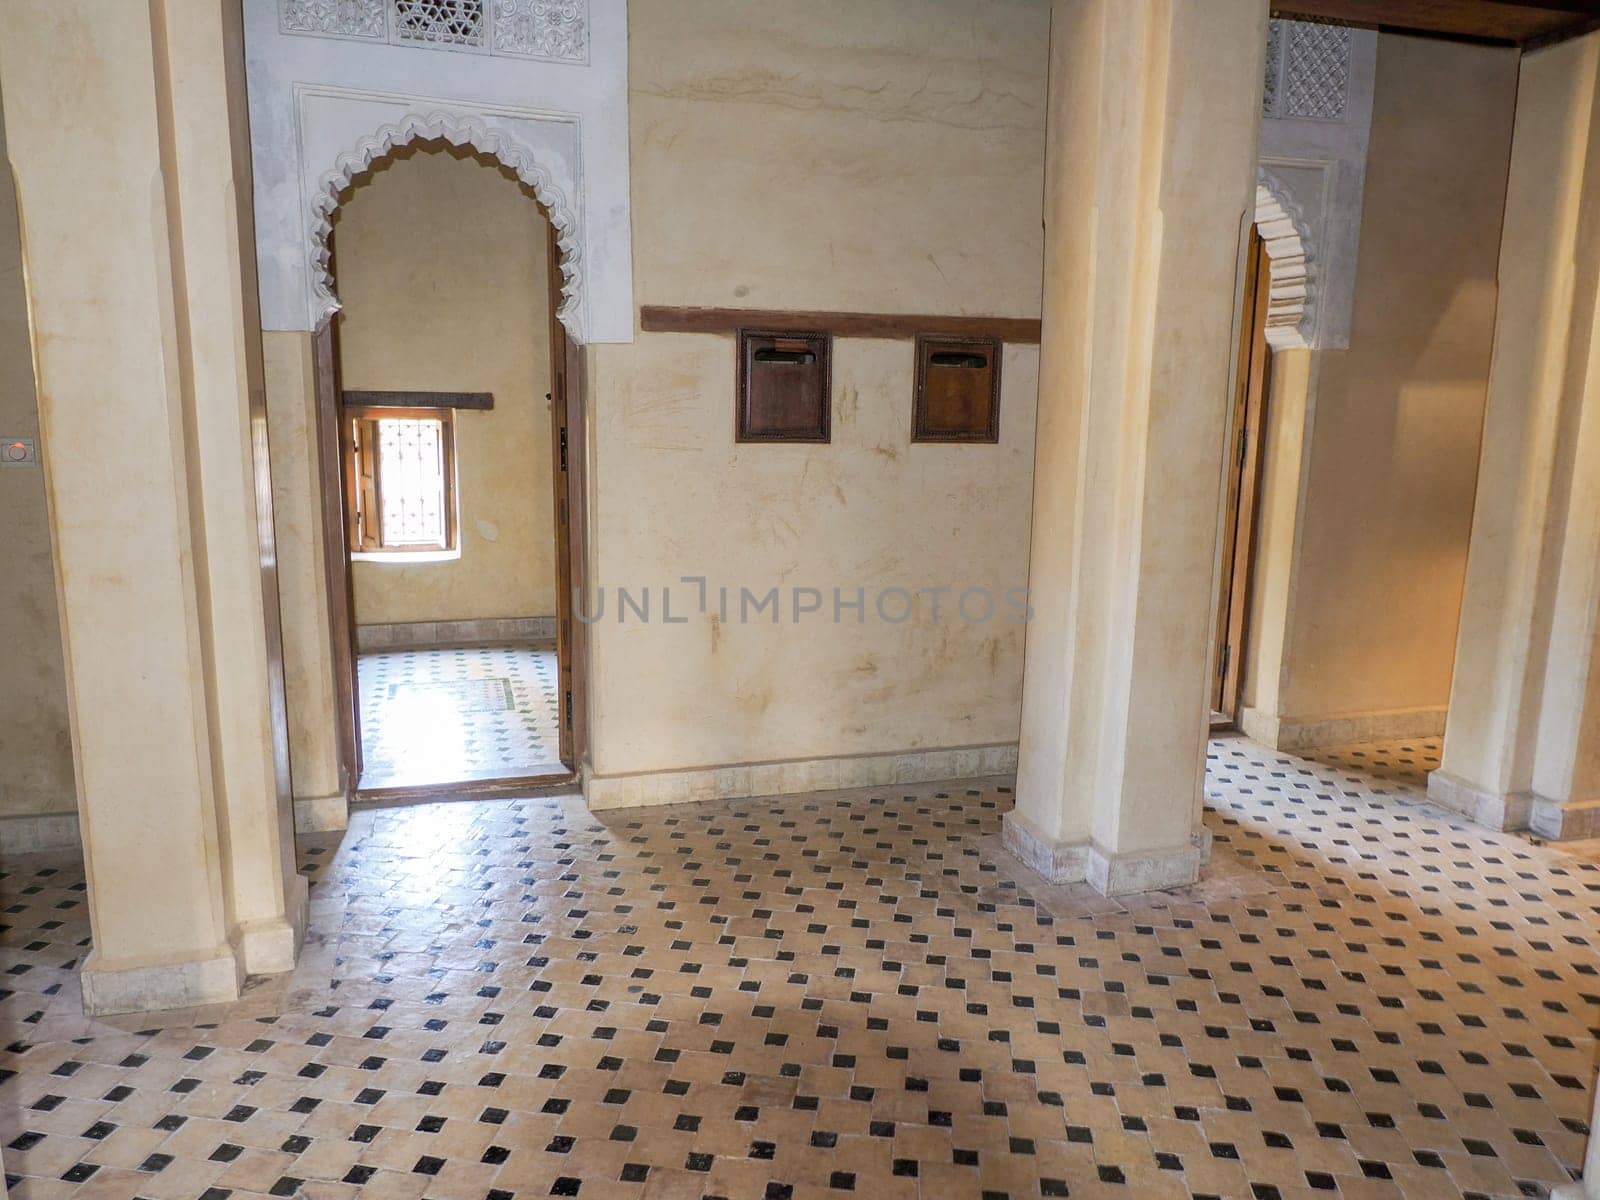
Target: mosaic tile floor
point(839, 993)
point(457, 715)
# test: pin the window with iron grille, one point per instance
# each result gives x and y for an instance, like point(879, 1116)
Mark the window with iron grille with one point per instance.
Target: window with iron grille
point(402, 479)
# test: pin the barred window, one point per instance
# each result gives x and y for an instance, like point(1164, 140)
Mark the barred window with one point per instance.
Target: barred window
point(402, 479)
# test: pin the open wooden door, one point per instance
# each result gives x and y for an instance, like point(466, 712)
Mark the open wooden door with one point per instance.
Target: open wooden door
point(567, 451)
point(1242, 485)
point(336, 553)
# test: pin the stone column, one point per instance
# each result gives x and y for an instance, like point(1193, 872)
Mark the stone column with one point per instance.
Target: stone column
point(1154, 114)
point(127, 138)
point(1522, 740)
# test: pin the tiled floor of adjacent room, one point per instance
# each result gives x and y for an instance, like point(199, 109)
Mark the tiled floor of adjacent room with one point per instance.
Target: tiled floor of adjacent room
point(849, 993)
point(458, 715)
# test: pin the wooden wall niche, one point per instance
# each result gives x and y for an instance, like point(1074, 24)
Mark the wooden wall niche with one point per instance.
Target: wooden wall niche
point(784, 389)
point(957, 389)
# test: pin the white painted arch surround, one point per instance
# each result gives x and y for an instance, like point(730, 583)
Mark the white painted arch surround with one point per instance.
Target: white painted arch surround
point(322, 109)
point(459, 130)
point(1291, 315)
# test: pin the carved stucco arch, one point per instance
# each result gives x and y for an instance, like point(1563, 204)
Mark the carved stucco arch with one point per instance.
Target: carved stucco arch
point(458, 130)
point(1291, 301)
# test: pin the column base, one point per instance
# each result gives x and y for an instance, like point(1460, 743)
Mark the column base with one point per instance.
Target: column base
point(1109, 873)
point(1559, 822)
point(321, 814)
point(1054, 861)
point(271, 947)
point(1150, 870)
point(1492, 810)
point(107, 991)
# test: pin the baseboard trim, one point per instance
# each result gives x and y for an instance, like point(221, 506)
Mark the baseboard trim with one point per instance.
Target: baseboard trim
point(32, 832)
point(796, 775)
point(408, 634)
point(107, 991)
point(321, 814)
point(1493, 810)
point(1311, 733)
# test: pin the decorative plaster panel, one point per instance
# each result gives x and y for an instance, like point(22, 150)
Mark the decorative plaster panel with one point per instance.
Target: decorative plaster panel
point(1316, 71)
point(336, 18)
point(556, 30)
point(1307, 70)
point(553, 29)
point(323, 108)
point(447, 22)
point(1317, 114)
point(1274, 68)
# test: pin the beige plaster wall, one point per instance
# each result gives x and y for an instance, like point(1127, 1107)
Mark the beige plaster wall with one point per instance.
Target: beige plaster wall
point(1385, 464)
point(35, 732)
point(441, 267)
point(882, 156)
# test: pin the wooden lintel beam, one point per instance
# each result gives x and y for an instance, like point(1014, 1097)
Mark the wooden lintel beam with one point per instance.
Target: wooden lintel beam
point(661, 318)
point(354, 398)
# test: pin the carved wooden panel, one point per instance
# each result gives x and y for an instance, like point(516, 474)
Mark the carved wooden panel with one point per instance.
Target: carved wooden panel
point(957, 389)
point(783, 387)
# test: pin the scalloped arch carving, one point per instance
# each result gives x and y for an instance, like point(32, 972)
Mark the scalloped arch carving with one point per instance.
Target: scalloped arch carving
point(458, 131)
point(1291, 319)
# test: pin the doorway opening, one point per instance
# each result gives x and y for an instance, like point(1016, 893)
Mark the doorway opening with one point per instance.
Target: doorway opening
point(451, 468)
point(1241, 486)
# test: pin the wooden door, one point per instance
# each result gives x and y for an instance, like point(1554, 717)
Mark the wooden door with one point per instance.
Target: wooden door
point(336, 553)
point(567, 451)
point(1242, 485)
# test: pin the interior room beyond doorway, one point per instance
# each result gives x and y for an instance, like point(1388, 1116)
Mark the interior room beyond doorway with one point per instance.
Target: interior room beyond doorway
point(442, 261)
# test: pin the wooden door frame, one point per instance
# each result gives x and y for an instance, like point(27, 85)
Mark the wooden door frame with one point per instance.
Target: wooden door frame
point(330, 448)
point(568, 478)
point(569, 482)
point(1242, 486)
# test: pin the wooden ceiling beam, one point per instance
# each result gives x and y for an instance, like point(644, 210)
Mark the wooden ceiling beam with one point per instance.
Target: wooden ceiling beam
point(1511, 22)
